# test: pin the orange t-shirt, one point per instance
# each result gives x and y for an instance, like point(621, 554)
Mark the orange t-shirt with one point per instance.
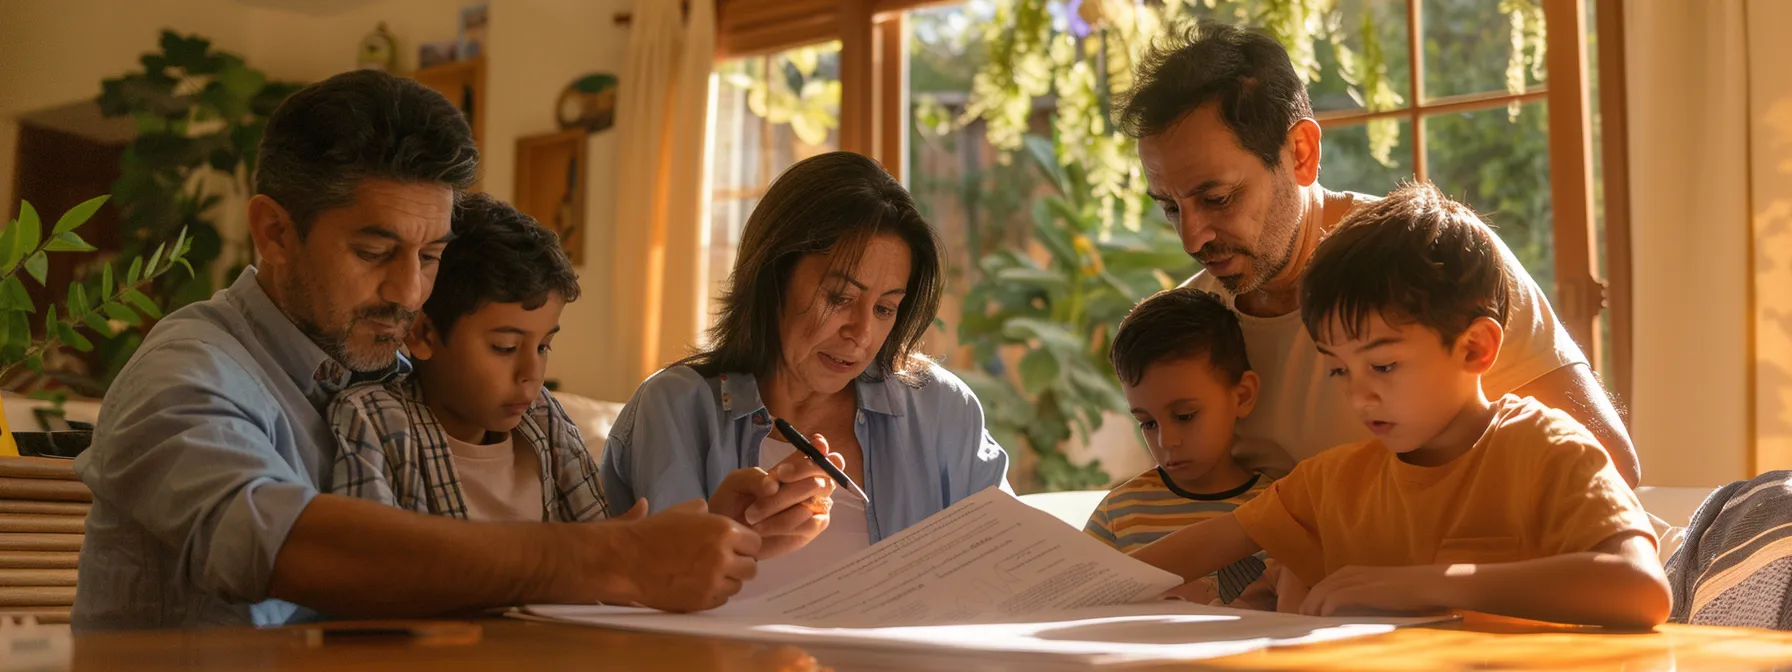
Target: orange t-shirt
point(1537, 484)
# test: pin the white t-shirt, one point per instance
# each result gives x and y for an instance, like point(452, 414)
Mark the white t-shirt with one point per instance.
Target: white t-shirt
point(498, 482)
point(1303, 411)
point(848, 533)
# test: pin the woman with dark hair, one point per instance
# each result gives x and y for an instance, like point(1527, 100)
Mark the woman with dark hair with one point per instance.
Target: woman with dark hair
point(836, 280)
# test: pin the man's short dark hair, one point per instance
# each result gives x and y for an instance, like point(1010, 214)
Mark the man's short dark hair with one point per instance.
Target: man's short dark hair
point(1245, 72)
point(1179, 323)
point(1415, 257)
point(328, 137)
point(498, 255)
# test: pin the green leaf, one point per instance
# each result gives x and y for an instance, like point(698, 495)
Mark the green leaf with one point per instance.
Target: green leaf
point(67, 241)
point(1099, 390)
point(98, 325)
point(72, 337)
point(143, 303)
point(50, 323)
point(16, 295)
point(106, 281)
point(38, 266)
point(19, 336)
point(77, 299)
point(31, 230)
point(35, 363)
point(1049, 334)
point(78, 215)
point(121, 313)
point(149, 269)
point(190, 272)
point(1045, 157)
point(1046, 281)
point(131, 276)
point(1038, 370)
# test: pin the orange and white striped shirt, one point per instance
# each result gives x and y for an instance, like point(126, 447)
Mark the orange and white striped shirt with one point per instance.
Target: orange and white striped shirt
point(1150, 506)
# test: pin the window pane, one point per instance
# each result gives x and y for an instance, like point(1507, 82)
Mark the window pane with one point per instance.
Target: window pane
point(1346, 164)
point(1386, 25)
point(1385, 21)
point(770, 112)
point(977, 203)
point(1468, 47)
point(1500, 166)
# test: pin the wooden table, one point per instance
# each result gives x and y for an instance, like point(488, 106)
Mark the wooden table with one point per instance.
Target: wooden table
point(516, 645)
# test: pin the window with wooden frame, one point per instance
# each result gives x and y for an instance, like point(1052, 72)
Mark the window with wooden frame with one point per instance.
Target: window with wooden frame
point(1531, 156)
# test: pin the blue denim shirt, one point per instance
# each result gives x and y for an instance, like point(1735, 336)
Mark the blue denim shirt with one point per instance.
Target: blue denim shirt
point(209, 445)
point(925, 446)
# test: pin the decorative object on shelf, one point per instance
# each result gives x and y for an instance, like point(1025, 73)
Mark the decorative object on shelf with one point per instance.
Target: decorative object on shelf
point(431, 54)
point(378, 51)
point(473, 20)
point(550, 185)
point(589, 102)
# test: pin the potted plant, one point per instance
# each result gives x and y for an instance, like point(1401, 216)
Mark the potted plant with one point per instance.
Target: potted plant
point(103, 306)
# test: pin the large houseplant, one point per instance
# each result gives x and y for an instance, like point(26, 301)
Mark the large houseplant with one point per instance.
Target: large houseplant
point(200, 114)
point(103, 306)
point(1059, 308)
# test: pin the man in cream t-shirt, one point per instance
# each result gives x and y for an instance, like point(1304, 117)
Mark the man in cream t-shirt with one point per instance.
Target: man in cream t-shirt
point(1231, 153)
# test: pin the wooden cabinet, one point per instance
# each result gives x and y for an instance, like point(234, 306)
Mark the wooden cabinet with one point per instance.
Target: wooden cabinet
point(550, 185)
point(463, 82)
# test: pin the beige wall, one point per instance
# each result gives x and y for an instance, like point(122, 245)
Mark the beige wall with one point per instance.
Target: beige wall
point(56, 52)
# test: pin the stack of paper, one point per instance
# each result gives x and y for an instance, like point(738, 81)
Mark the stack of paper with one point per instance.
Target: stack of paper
point(991, 575)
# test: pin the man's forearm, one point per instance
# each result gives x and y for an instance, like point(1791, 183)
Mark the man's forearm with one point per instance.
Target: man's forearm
point(351, 558)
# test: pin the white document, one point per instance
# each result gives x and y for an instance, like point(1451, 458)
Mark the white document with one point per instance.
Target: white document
point(990, 574)
point(988, 557)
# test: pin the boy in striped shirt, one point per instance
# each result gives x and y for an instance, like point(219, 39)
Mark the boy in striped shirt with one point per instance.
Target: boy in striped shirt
point(1180, 356)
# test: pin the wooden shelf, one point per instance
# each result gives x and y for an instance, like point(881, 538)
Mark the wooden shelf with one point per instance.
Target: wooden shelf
point(463, 82)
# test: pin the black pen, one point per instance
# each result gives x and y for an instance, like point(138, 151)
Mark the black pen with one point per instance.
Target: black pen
point(808, 450)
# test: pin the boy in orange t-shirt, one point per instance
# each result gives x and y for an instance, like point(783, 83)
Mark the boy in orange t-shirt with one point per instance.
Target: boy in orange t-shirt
point(1500, 506)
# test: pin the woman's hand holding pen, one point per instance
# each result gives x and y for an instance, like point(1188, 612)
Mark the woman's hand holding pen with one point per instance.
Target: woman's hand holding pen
point(787, 506)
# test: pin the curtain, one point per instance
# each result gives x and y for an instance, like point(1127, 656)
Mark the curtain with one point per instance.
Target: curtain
point(662, 189)
point(1689, 93)
point(1770, 180)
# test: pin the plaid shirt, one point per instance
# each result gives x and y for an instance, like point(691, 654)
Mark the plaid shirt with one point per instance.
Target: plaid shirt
point(391, 449)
